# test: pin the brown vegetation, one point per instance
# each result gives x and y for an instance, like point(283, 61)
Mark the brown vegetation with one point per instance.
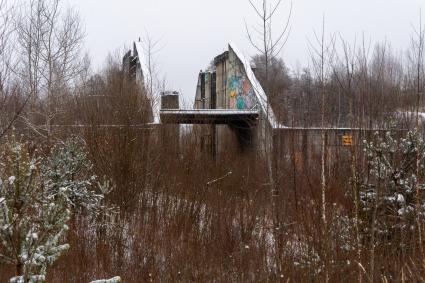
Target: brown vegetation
point(183, 216)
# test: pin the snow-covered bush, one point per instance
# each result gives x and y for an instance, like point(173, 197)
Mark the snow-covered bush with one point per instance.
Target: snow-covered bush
point(37, 199)
point(115, 279)
point(391, 197)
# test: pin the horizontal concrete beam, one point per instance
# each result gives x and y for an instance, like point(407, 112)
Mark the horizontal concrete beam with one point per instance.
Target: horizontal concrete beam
point(209, 116)
point(337, 129)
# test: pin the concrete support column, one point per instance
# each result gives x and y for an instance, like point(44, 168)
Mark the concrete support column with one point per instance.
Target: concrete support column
point(170, 133)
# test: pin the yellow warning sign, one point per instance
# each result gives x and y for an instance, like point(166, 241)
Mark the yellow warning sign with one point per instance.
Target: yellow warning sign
point(347, 140)
point(299, 161)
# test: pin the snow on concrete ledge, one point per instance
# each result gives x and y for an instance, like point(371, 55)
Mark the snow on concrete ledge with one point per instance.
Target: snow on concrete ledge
point(211, 111)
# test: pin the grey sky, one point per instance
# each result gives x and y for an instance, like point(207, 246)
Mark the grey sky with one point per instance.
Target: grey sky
point(192, 32)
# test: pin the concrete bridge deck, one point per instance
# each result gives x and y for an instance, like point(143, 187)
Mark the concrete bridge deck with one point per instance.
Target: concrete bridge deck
point(209, 116)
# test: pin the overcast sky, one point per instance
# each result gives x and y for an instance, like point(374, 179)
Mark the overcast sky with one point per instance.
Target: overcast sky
point(192, 32)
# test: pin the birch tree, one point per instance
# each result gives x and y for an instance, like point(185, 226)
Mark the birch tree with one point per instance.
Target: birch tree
point(50, 40)
point(321, 53)
point(12, 102)
point(264, 39)
point(268, 45)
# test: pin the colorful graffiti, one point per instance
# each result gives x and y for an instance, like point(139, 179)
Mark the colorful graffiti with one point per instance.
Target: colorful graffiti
point(241, 94)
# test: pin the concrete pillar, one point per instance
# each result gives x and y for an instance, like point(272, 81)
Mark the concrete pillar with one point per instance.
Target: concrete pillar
point(170, 133)
point(170, 100)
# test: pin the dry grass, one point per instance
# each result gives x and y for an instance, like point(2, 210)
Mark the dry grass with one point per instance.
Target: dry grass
point(186, 217)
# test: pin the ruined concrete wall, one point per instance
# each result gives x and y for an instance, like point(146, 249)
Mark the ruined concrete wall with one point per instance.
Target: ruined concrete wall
point(240, 93)
point(233, 90)
point(134, 66)
point(203, 94)
point(207, 90)
point(221, 63)
point(198, 95)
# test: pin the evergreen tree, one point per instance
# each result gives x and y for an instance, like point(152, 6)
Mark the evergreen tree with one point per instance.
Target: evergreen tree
point(388, 195)
point(37, 199)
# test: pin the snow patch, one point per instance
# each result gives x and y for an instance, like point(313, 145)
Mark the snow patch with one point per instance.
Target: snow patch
point(115, 279)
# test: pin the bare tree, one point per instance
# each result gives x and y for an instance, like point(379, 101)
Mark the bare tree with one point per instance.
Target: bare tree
point(263, 39)
point(321, 54)
point(279, 83)
point(269, 47)
point(153, 83)
point(417, 60)
point(6, 29)
point(11, 104)
point(50, 41)
point(418, 45)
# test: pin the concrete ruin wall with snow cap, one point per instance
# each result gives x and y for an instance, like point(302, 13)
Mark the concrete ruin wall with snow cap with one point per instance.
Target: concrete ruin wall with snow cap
point(145, 80)
point(235, 86)
point(245, 91)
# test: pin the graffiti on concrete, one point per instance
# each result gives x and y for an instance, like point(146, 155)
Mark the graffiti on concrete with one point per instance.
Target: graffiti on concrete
point(241, 93)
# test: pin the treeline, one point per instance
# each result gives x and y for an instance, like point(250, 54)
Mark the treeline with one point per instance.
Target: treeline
point(367, 86)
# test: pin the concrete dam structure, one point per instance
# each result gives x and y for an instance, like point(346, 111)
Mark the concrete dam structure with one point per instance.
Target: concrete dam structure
point(231, 109)
point(232, 102)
